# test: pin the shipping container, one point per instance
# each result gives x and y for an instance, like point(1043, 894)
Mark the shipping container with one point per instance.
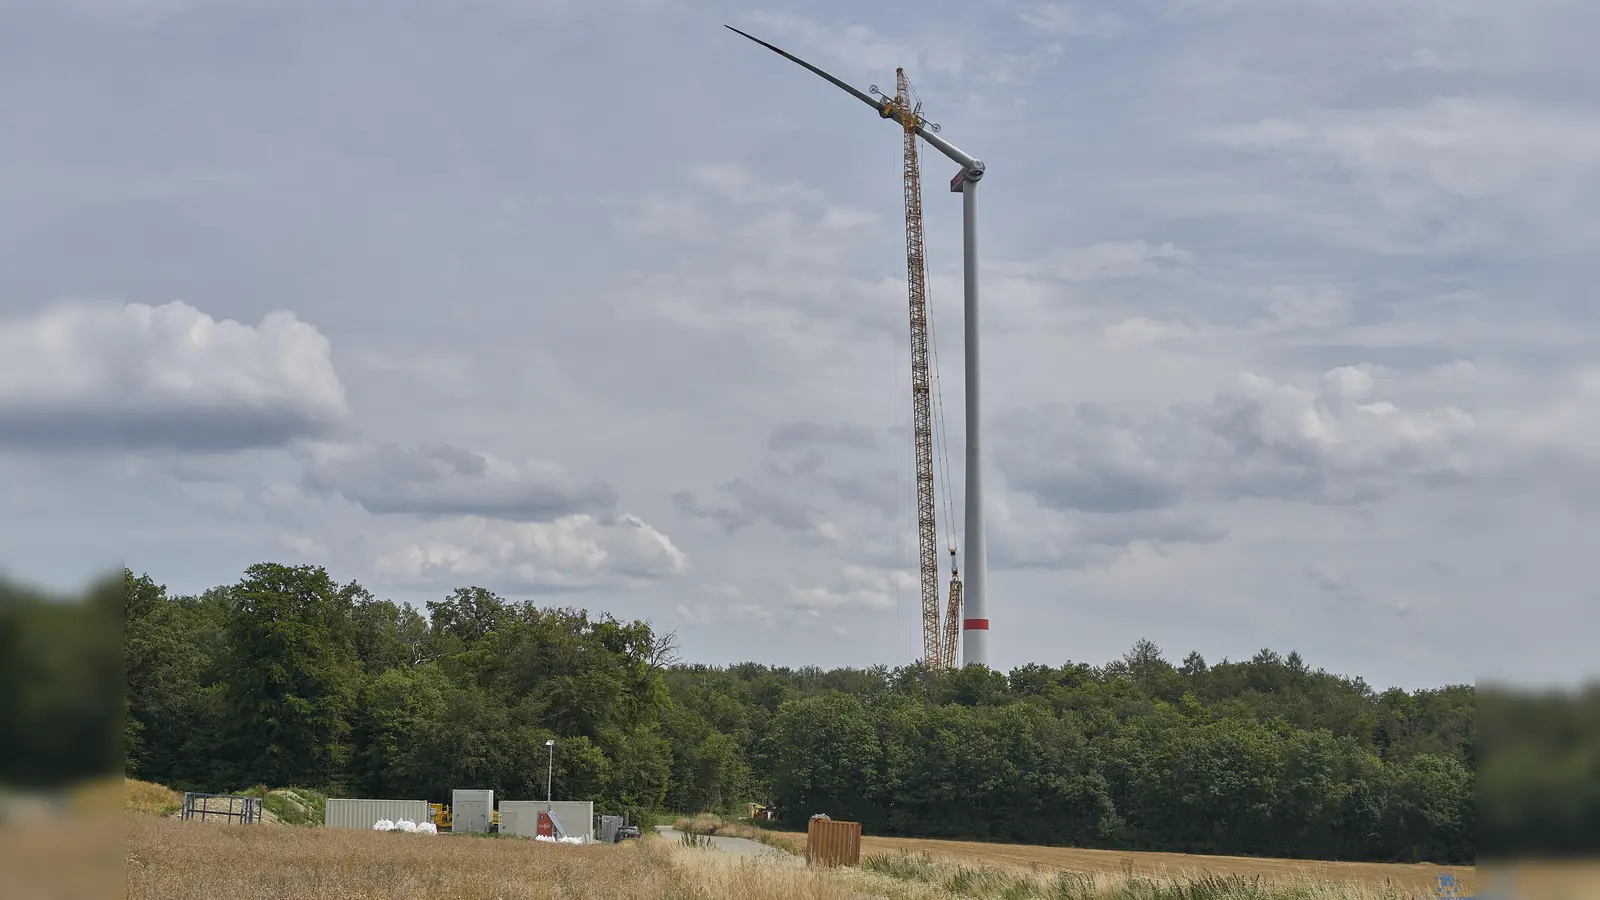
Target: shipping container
point(345, 813)
point(833, 843)
point(521, 817)
point(471, 811)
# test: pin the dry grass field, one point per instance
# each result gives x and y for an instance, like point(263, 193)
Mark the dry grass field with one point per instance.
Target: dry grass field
point(1415, 878)
point(168, 859)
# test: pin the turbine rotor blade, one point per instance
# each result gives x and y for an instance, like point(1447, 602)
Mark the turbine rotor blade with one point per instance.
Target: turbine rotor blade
point(859, 95)
point(971, 167)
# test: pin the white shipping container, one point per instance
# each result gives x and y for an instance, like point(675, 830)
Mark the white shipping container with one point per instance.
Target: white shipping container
point(366, 813)
point(521, 817)
point(471, 811)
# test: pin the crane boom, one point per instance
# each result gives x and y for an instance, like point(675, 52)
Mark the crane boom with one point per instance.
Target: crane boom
point(933, 643)
point(952, 619)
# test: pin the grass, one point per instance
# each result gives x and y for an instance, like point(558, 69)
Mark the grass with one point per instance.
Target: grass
point(955, 879)
point(167, 859)
point(291, 806)
point(709, 824)
point(150, 799)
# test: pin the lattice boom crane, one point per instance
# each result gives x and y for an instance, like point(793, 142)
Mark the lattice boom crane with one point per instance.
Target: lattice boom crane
point(938, 643)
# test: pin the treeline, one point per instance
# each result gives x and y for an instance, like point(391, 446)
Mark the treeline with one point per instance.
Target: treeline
point(1264, 757)
point(288, 678)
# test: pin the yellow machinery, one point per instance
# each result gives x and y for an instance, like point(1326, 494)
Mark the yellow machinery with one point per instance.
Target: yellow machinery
point(440, 813)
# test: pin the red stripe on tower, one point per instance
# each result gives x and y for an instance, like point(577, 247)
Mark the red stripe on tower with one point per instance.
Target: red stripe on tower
point(975, 625)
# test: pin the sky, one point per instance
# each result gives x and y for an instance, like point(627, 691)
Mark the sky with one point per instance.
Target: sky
point(1289, 319)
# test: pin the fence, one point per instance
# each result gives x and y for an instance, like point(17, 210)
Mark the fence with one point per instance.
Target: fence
point(243, 810)
point(833, 843)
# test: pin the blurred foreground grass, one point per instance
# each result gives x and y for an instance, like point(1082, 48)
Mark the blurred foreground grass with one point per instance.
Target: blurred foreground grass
point(61, 718)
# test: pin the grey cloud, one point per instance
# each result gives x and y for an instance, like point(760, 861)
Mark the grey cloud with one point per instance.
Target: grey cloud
point(791, 435)
point(137, 377)
point(445, 480)
point(196, 429)
point(751, 504)
point(1258, 438)
point(1024, 538)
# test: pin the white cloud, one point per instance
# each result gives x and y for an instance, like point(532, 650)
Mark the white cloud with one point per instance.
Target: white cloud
point(855, 589)
point(859, 47)
point(1256, 438)
point(1460, 172)
point(443, 479)
point(572, 553)
point(163, 377)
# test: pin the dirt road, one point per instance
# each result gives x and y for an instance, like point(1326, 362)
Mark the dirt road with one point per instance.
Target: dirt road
point(736, 846)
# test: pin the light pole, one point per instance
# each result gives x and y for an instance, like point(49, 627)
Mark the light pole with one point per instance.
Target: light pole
point(550, 770)
point(975, 622)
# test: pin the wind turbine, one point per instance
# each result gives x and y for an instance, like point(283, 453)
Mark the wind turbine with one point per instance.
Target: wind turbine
point(975, 625)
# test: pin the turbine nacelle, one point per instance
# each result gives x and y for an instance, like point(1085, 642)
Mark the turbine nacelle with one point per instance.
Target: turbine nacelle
point(972, 173)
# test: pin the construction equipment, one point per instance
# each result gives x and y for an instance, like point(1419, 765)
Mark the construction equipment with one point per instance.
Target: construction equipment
point(938, 641)
point(439, 814)
point(901, 107)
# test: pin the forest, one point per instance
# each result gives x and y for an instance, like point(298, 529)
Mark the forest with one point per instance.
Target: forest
point(289, 678)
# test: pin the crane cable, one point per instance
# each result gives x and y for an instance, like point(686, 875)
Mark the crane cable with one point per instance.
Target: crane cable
point(941, 438)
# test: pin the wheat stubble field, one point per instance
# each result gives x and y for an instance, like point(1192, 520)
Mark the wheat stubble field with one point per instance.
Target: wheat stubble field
point(168, 859)
point(1419, 878)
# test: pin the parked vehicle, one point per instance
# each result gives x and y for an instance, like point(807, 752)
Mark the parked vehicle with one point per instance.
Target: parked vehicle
point(629, 833)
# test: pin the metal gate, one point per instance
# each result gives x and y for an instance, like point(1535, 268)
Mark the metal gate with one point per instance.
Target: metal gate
point(228, 808)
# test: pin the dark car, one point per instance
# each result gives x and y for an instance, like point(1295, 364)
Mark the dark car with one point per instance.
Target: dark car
point(628, 833)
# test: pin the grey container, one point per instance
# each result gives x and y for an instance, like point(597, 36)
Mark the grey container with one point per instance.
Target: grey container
point(471, 811)
point(521, 817)
point(345, 813)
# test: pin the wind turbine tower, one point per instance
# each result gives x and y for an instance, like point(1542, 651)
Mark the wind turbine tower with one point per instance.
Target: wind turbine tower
point(972, 621)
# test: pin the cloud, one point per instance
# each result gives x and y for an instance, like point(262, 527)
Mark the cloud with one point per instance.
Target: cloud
point(856, 589)
point(1455, 172)
point(445, 480)
point(139, 377)
point(751, 504)
point(572, 553)
point(1257, 438)
point(1105, 260)
point(1023, 534)
point(1068, 20)
point(861, 48)
point(766, 261)
point(821, 482)
point(806, 434)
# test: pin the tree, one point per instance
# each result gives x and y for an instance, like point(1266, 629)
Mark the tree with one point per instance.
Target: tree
point(291, 677)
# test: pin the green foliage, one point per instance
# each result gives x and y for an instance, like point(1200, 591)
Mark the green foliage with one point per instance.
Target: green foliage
point(290, 678)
